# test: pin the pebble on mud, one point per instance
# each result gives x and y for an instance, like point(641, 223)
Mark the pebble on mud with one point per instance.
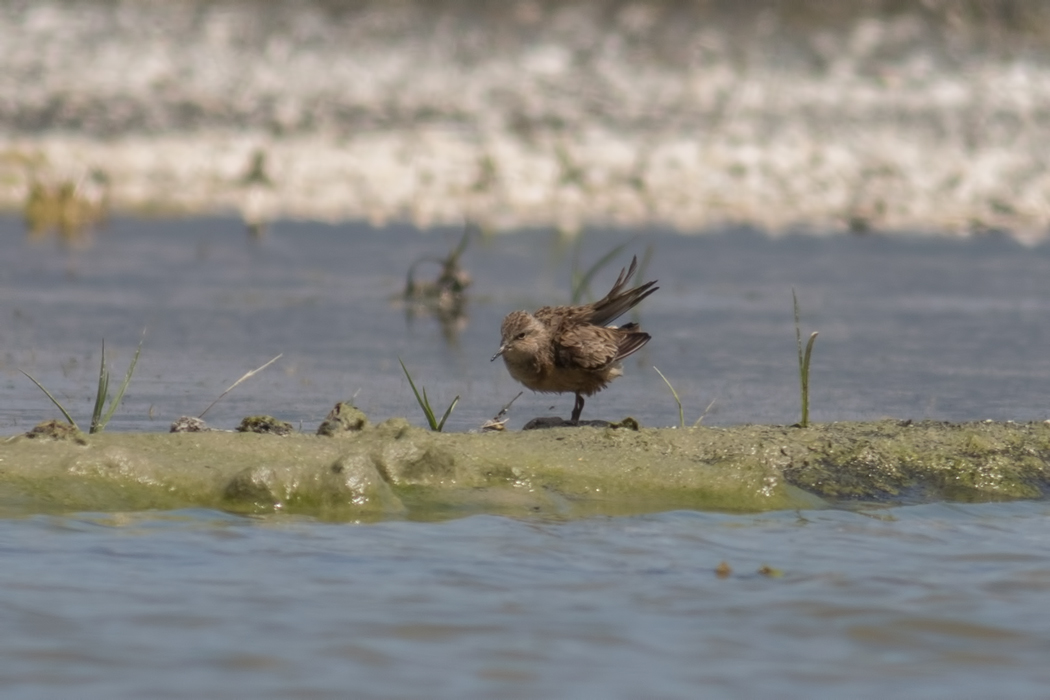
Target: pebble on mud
point(343, 418)
point(189, 424)
point(57, 430)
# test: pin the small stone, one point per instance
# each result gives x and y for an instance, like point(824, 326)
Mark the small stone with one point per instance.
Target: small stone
point(189, 424)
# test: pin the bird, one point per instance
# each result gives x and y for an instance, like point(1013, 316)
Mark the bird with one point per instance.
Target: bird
point(560, 349)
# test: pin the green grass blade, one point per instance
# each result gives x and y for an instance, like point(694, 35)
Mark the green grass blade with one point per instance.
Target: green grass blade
point(681, 413)
point(805, 378)
point(431, 419)
point(53, 399)
point(643, 264)
point(123, 387)
point(640, 274)
point(803, 361)
point(100, 394)
point(582, 283)
point(421, 400)
point(809, 351)
point(804, 390)
point(448, 412)
point(798, 330)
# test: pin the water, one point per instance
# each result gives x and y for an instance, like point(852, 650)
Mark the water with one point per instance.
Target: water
point(931, 601)
point(909, 327)
point(935, 601)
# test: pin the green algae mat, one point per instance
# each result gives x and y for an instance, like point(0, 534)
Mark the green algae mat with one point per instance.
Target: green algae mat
point(394, 470)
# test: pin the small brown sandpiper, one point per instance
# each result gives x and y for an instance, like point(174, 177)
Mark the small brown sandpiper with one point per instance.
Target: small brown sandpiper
point(558, 349)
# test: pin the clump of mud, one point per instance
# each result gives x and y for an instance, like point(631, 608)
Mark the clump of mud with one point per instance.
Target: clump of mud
point(265, 424)
point(56, 430)
point(343, 418)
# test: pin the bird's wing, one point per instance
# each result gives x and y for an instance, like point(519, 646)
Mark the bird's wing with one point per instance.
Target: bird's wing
point(588, 347)
point(617, 302)
point(631, 342)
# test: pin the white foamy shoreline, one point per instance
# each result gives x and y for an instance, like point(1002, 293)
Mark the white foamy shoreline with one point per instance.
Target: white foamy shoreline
point(571, 123)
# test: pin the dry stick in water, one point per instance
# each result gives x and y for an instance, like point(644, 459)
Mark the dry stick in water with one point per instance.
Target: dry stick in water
point(704, 414)
point(500, 419)
point(232, 386)
point(681, 413)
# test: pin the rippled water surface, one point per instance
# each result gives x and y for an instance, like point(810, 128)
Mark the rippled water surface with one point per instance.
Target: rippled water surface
point(933, 601)
point(909, 327)
point(937, 601)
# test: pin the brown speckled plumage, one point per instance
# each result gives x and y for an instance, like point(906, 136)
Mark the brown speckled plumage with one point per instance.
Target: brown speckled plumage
point(560, 349)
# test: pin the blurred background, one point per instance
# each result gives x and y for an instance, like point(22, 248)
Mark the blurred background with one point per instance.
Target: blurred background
point(860, 115)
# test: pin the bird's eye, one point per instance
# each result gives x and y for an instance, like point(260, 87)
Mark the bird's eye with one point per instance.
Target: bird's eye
point(520, 336)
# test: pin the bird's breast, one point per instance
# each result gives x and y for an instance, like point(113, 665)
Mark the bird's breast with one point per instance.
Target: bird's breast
point(554, 379)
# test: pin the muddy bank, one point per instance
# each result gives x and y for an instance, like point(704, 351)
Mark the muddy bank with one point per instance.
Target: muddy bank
point(394, 470)
point(868, 116)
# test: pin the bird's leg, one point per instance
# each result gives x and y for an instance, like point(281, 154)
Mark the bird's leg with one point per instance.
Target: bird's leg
point(577, 409)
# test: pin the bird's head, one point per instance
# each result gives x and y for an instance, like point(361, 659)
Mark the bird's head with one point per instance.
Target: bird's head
point(521, 336)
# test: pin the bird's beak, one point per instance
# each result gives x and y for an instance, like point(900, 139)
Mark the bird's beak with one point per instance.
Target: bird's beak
point(498, 353)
